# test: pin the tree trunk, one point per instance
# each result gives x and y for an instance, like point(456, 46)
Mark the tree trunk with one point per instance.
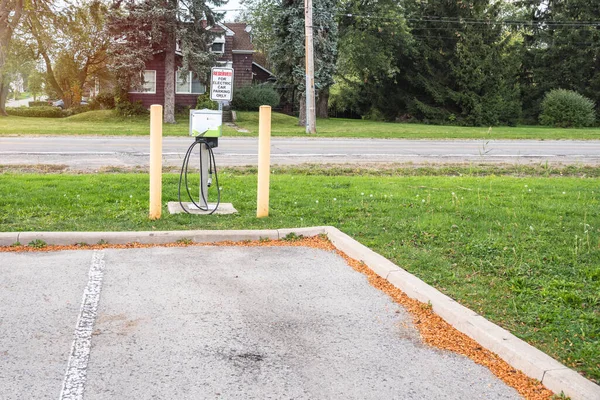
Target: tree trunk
point(169, 110)
point(302, 115)
point(323, 104)
point(3, 96)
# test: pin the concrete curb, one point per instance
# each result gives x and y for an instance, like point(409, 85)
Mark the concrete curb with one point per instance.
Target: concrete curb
point(520, 355)
point(153, 237)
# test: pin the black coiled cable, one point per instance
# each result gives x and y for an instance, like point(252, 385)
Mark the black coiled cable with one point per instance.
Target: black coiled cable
point(183, 176)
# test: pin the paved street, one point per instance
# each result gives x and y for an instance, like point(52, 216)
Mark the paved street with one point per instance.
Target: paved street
point(90, 153)
point(214, 322)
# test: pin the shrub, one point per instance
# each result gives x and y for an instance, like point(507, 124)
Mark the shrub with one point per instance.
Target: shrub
point(128, 109)
point(38, 103)
point(250, 98)
point(39, 112)
point(566, 108)
point(106, 100)
point(182, 109)
point(204, 101)
point(77, 110)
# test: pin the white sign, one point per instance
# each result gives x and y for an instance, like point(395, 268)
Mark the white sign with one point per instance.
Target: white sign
point(221, 84)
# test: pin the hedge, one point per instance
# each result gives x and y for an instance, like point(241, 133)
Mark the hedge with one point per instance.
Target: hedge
point(43, 112)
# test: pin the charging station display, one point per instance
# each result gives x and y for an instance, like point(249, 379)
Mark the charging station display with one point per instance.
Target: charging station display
point(206, 123)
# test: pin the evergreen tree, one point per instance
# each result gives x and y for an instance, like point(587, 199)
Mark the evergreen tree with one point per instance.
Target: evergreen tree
point(463, 67)
point(144, 28)
point(373, 48)
point(561, 50)
point(287, 54)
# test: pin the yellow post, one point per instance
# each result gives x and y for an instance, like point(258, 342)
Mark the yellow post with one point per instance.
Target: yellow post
point(264, 161)
point(156, 114)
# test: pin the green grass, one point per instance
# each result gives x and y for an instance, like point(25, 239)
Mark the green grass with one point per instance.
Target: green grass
point(522, 251)
point(284, 125)
point(102, 122)
point(105, 122)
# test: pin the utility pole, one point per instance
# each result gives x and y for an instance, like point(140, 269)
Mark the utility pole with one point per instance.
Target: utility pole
point(311, 115)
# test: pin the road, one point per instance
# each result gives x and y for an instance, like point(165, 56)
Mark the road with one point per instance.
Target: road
point(90, 153)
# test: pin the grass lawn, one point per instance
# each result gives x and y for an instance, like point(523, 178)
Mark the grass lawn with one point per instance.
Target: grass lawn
point(106, 123)
point(522, 251)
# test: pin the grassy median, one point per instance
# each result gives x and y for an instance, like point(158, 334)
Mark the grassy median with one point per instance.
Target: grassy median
point(522, 251)
point(106, 122)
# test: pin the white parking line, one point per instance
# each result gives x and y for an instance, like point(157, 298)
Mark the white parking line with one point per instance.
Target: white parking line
point(75, 376)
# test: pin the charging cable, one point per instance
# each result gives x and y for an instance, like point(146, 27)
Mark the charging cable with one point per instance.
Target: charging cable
point(183, 176)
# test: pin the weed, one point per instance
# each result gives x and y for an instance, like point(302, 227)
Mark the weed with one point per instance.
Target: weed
point(15, 244)
point(292, 236)
point(264, 239)
point(185, 241)
point(102, 242)
point(37, 244)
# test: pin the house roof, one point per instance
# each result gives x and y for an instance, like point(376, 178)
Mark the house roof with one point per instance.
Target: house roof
point(241, 37)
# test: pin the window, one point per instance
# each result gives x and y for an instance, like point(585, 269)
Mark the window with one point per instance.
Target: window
point(188, 83)
point(149, 84)
point(217, 47)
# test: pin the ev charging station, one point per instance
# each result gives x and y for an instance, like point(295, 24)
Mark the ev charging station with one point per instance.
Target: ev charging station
point(206, 126)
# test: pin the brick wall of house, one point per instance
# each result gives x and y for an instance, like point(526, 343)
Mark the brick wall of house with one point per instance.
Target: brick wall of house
point(242, 66)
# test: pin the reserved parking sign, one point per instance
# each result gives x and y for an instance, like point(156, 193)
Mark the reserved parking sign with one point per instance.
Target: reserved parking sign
point(221, 84)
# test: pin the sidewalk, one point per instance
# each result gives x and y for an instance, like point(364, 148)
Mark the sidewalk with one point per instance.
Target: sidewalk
point(214, 322)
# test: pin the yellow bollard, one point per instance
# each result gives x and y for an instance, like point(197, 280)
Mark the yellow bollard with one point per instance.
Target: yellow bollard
point(156, 114)
point(264, 161)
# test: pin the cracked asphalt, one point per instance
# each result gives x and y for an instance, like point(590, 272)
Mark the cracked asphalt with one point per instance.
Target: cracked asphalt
point(214, 323)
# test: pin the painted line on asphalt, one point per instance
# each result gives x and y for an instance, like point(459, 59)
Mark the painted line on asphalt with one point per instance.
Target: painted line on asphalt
point(76, 374)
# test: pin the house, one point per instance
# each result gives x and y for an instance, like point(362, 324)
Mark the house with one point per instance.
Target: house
point(232, 45)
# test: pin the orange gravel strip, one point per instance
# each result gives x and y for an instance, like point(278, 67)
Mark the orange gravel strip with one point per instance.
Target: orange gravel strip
point(433, 329)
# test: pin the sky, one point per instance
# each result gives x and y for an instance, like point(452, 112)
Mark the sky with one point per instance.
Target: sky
point(231, 5)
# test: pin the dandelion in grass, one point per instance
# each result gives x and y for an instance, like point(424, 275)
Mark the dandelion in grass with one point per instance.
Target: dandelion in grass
point(317, 201)
point(423, 201)
point(334, 199)
point(526, 186)
point(362, 194)
point(221, 188)
point(295, 203)
point(529, 190)
point(566, 192)
point(130, 196)
point(370, 195)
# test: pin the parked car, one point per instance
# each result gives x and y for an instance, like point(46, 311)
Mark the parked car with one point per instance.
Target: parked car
point(61, 103)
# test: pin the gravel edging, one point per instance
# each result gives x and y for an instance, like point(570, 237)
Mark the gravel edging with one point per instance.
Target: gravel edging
point(519, 354)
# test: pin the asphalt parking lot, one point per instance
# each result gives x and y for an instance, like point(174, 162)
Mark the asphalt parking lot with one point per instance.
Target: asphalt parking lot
point(214, 322)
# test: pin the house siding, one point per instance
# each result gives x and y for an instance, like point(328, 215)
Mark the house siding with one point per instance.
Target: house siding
point(259, 74)
point(242, 67)
point(158, 64)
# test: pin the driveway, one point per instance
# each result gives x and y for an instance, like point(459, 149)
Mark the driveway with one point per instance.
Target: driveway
point(214, 322)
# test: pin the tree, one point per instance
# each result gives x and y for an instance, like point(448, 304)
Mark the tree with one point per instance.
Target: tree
point(143, 28)
point(287, 52)
point(73, 45)
point(35, 84)
point(10, 16)
point(374, 44)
